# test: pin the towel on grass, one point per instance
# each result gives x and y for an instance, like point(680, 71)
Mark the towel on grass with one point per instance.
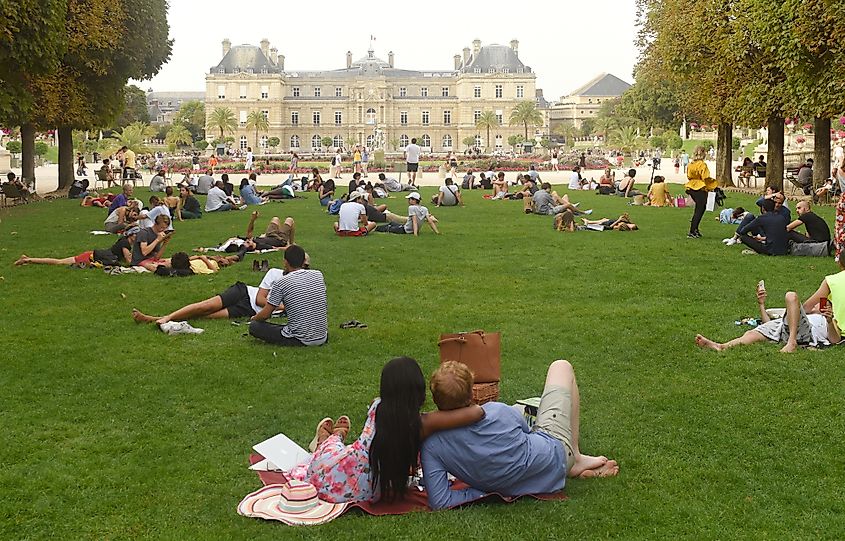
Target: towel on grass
point(415, 500)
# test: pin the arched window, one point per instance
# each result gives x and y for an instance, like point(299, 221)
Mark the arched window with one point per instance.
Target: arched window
point(370, 140)
point(426, 141)
point(294, 141)
point(337, 141)
point(243, 142)
point(403, 141)
point(478, 141)
point(370, 117)
point(447, 141)
point(263, 141)
point(316, 143)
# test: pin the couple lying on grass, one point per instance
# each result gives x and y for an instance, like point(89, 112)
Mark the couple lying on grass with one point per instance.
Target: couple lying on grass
point(489, 447)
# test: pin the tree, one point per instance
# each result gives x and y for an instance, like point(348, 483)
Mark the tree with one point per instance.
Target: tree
point(14, 147)
point(514, 141)
point(527, 114)
point(134, 136)
point(326, 141)
point(657, 141)
point(567, 131)
point(487, 120)
point(394, 143)
point(222, 119)
point(256, 120)
point(135, 107)
point(178, 136)
point(192, 115)
point(273, 142)
point(200, 144)
point(350, 142)
point(468, 141)
point(626, 138)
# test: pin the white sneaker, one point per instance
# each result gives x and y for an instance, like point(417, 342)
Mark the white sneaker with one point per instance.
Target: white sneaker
point(588, 211)
point(727, 240)
point(242, 207)
point(731, 242)
point(179, 327)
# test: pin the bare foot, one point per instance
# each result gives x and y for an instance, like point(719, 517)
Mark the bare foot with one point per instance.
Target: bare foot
point(254, 215)
point(586, 462)
point(706, 343)
point(140, 317)
point(608, 469)
point(341, 427)
point(790, 347)
point(22, 260)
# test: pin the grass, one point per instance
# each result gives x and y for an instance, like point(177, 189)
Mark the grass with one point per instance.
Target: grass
point(114, 430)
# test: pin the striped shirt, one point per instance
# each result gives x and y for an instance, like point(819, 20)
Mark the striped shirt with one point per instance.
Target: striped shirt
point(303, 294)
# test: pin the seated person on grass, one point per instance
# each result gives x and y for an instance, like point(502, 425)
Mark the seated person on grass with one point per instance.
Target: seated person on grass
point(122, 199)
point(121, 219)
point(189, 207)
point(575, 180)
point(301, 293)
point(500, 186)
point(607, 182)
point(157, 183)
point(769, 230)
point(249, 195)
point(380, 215)
point(817, 228)
point(546, 202)
point(218, 201)
point(150, 243)
point(500, 453)
point(147, 217)
point(658, 195)
point(417, 214)
point(357, 183)
point(626, 185)
point(392, 185)
point(527, 189)
point(237, 301)
point(206, 182)
point(170, 201)
point(449, 195)
point(325, 191)
point(352, 217)
point(803, 324)
point(119, 253)
point(469, 181)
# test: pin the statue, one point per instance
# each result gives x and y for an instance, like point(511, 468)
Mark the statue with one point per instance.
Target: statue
point(378, 139)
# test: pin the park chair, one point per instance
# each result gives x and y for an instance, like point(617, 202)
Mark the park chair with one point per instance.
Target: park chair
point(793, 180)
point(11, 192)
point(101, 178)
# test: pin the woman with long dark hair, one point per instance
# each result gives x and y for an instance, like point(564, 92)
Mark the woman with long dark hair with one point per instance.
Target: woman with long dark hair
point(377, 465)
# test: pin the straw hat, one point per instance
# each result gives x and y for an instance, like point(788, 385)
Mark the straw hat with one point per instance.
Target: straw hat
point(294, 503)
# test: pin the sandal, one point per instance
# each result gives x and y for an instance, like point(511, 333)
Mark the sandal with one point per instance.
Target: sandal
point(341, 427)
point(325, 428)
point(350, 324)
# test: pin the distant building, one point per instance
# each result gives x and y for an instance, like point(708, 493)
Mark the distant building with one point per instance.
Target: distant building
point(371, 98)
point(584, 102)
point(162, 106)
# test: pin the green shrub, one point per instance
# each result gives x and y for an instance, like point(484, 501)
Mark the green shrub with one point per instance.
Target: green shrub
point(14, 147)
point(41, 148)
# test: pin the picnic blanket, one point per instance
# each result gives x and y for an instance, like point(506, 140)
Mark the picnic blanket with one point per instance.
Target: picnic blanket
point(415, 500)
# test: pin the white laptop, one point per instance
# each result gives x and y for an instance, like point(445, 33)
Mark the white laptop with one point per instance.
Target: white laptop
point(280, 453)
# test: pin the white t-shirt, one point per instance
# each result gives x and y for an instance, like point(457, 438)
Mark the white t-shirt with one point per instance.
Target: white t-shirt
point(271, 276)
point(412, 153)
point(249, 157)
point(338, 159)
point(348, 218)
point(216, 199)
point(421, 213)
point(574, 181)
point(151, 217)
point(449, 197)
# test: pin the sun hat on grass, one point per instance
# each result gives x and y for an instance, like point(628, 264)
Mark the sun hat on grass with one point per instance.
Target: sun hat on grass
point(294, 503)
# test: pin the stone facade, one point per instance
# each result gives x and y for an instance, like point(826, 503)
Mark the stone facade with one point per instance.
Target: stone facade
point(584, 102)
point(371, 98)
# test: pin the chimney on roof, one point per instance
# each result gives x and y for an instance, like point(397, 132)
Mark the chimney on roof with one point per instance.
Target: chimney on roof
point(226, 46)
point(457, 62)
point(348, 59)
point(265, 47)
point(274, 56)
point(515, 46)
point(476, 46)
point(281, 62)
point(466, 56)
point(390, 59)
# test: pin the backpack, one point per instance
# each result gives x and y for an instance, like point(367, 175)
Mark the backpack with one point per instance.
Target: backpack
point(334, 160)
point(334, 206)
point(106, 258)
point(810, 249)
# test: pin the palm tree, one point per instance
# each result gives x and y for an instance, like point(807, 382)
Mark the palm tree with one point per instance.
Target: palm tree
point(223, 119)
point(487, 120)
point(255, 120)
point(603, 126)
point(626, 138)
point(527, 114)
point(566, 131)
point(178, 135)
point(134, 136)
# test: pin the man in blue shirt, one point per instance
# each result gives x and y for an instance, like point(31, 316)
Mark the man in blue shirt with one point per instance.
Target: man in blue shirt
point(500, 453)
point(770, 228)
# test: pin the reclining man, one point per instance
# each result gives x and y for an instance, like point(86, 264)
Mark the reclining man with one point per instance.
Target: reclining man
point(278, 236)
point(545, 201)
point(803, 324)
point(500, 453)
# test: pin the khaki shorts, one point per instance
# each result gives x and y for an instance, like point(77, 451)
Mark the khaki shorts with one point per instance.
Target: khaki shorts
point(554, 418)
point(279, 231)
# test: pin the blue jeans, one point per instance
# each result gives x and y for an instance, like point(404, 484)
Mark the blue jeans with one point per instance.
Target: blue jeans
point(325, 201)
point(221, 208)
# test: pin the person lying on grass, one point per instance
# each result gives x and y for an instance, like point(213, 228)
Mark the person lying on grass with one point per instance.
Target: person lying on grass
point(181, 264)
point(237, 301)
point(119, 253)
point(417, 214)
point(809, 324)
point(622, 223)
point(378, 464)
point(547, 202)
point(500, 453)
point(277, 236)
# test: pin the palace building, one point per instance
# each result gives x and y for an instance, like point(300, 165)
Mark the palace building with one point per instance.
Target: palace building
point(371, 100)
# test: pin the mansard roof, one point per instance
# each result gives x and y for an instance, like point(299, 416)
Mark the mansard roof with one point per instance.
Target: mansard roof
point(603, 85)
point(494, 56)
point(243, 58)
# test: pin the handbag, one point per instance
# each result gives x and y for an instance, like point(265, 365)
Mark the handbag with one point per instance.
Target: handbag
point(680, 201)
point(479, 350)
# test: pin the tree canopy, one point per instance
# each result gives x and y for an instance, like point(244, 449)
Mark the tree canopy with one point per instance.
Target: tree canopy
point(135, 107)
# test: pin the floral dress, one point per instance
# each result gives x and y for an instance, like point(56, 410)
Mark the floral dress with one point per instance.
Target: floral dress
point(839, 226)
point(341, 473)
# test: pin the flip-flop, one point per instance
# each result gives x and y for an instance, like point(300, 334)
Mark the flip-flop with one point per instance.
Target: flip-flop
point(315, 442)
point(349, 324)
point(360, 325)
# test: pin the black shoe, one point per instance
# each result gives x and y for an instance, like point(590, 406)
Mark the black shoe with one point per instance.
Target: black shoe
point(692, 236)
point(265, 265)
point(256, 266)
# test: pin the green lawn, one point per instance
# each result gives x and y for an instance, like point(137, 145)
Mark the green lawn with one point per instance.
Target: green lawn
point(114, 430)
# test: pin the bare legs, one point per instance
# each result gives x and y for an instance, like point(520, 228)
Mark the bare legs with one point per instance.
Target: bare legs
point(750, 337)
point(210, 309)
point(25, 260)
point(793, 315)
point(561, 374)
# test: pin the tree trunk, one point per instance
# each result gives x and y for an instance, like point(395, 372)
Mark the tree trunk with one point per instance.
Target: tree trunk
point(724, 154)
point(821, 151)
point(66, 160)
point(28, 152)
point(774, 167)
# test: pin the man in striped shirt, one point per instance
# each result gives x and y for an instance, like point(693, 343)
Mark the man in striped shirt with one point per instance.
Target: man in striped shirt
point(301, 293)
